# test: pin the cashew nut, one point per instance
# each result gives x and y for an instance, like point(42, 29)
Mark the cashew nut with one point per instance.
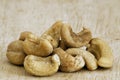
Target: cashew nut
point(90, 60)
point(72, 39)
point(39, 66)
point(15, 53)
point(41, 48)
point(53, 34)
point(69, 63)
point(28, 35)
point(102, 52)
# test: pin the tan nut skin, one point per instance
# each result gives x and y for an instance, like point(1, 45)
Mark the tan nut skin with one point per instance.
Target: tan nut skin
point(15, 53)
point(62, 45)
point(75, 40)
point(90, 60)
point(69, 63)
point(41, 48)
point(39, 66)
point(102, 51)
point(24, 35)
point(53, 34)
point(28, 35)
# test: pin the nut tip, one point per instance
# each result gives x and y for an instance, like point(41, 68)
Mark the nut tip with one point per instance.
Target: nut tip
point(56, 58)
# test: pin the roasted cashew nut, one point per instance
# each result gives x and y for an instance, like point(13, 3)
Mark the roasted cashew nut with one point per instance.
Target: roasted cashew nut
point(74, 40)
point(53, 34)
point(15, 53)
point(102, 52)
point(41, 47)
point(39, 66)
point(69, 63)
point(90, 60)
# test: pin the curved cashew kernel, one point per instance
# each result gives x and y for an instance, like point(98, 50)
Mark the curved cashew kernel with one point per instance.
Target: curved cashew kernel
point(41, 48)
point(39, 66)
point(102, 52)
point(53, 34)
point(15, 53)
point(29, 35)
point(68, 62)
point(90, 60)
point(72, 39)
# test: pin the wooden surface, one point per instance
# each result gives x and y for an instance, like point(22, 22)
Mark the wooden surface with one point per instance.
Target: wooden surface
point(101, 16)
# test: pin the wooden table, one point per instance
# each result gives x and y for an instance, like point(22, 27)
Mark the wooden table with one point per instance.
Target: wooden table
point(102, 17)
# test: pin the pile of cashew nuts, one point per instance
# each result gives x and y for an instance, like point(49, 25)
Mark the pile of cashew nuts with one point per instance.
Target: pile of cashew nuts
point(59, 48)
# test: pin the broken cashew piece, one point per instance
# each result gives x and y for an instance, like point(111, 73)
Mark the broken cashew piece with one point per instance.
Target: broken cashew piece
point(90, 60)
point(41, 47)
point(75, 40)
point(69, 63)
point(102, 52)
point(39, 66)
point(53, 34)
point(15, 53)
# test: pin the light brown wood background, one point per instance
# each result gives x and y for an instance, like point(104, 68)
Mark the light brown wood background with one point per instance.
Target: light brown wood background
point(101, 16)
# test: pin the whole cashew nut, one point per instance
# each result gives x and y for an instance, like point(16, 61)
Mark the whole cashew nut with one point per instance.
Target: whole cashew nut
point(42, 47)
point(15, 52)
point(53, 34)
point(74, 40)
point(69, 63)
point(90, 60)
point(102, 52)
point(39, 66)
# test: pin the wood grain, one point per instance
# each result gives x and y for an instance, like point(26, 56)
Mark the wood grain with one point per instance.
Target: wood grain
point(102, 17)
